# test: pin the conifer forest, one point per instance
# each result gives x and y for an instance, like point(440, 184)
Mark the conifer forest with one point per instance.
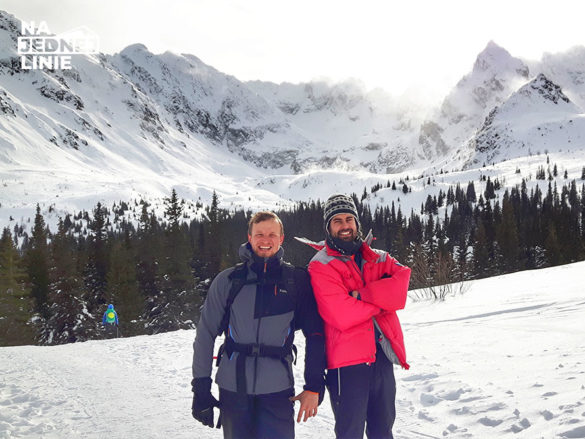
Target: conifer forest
point(56, 285)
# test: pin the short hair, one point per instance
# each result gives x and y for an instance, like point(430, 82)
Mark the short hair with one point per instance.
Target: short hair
point(264, 215)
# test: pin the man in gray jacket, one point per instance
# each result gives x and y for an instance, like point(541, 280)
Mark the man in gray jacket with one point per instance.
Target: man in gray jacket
point(259, 304)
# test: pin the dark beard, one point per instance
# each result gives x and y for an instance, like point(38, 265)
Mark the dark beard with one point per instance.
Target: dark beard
point(347, 248)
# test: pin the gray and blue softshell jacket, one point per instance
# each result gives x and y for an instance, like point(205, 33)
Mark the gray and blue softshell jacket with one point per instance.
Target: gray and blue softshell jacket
point(264, 312)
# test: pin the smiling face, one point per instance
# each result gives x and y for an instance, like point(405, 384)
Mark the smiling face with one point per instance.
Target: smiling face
point(343, 226)
point(265, 238)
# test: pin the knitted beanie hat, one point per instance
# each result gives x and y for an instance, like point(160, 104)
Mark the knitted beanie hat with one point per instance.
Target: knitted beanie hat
point(337, 204)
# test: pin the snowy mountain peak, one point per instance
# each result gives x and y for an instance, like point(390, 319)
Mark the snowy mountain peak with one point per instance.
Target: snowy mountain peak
point(9, 32)
point(134, 49)
point(545, 88)
point(495, 76)
point(538, 117)
point(496, 59)
point(9, 23)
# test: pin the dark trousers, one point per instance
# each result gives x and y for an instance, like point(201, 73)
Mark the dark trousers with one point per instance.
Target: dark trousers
point(363, 395)
point(269, 416)
point(111, 331)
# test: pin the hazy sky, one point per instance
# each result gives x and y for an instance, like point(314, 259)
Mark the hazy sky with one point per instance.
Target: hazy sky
point(397, 45)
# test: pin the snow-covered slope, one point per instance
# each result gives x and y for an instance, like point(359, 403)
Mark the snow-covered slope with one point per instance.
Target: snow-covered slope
point(98, 132)
point(195, 99)
point(173, 102)
point(503, 360)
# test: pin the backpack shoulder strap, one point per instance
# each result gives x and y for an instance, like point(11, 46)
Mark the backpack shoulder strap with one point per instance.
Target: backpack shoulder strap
point(288, 276)
point(238, 280)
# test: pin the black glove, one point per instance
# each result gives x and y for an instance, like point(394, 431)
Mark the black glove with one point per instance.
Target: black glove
point(203, 401)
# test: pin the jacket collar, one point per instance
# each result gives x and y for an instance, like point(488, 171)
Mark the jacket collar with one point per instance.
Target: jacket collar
point(257, 263)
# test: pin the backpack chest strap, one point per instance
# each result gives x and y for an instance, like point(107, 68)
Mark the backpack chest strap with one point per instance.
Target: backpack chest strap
point(284, 353)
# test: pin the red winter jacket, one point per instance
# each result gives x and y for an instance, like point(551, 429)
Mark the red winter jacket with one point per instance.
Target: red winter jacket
point(349, 328)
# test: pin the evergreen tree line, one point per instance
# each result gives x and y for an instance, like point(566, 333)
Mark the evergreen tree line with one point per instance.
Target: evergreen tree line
point(55, 287)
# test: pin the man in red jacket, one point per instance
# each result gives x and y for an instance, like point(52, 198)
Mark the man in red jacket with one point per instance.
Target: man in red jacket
point(358, 291)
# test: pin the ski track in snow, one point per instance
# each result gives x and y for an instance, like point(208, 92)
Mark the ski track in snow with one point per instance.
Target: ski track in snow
point(506, 359)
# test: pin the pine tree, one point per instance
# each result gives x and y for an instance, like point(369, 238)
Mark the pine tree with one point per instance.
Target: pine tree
point(489, 190)
point(365, 194)
point(470, 193)
point(552, 248)
point(441, 199)
point(98, 259)
point(582, 219)
point(12, 275)
point(67, 321)
point(148, 257)
point(174, 210)
point(429, 234)
point(540, 257)
point(214, 244)
point(583, 216)
point(38, 264)
point(461, 254)
point(175, 301)
point(421, 268)
point(507, 235)
point(450, 196)
point(480, 259)
point(15, 304)
point(429, 208)
point(122, 287)
point(144, 221)
point(399, 248)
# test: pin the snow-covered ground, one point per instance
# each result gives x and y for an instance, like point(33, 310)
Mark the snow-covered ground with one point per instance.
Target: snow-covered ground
point(504, 360)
